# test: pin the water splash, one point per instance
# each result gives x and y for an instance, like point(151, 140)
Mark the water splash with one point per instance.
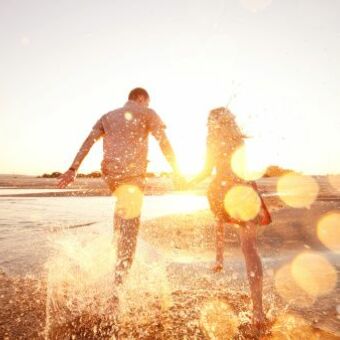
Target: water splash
point(81, 296)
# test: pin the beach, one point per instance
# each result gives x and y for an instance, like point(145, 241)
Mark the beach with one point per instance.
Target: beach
point(57, 257)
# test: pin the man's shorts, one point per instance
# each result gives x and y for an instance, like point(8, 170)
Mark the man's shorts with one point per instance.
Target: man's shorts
point(217, 191)
point(129, 193)
point(113, 182)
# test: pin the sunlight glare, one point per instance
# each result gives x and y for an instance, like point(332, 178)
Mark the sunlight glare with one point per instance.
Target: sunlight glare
point(297, 191)
point(241, 166)
point(128, 115)
point(129, 201)
point(289, 326)
point(314, 274)
point(289, 291)
point(328, 230)
point(242, 203)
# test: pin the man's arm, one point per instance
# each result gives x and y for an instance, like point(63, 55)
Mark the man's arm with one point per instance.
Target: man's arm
point(167, 150)
point(85, 148)
point(69, 176)
point(179, 181)
point(157, 129)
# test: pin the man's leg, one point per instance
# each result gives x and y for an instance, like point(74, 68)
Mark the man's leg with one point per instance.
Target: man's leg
point(126, 226)
point(127, 232)
point(254, 269)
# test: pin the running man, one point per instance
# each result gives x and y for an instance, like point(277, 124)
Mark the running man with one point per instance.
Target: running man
point(125, 134)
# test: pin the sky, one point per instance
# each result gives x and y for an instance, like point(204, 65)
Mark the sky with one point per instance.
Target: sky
point(275, 63)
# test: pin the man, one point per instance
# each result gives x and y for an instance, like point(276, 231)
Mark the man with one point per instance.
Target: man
point(125, 134)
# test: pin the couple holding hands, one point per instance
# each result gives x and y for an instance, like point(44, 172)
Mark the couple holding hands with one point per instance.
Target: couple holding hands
point(125, 134)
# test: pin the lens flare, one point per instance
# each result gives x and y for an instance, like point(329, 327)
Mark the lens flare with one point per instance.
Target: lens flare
point(289, 326)
point(328, 230)
point(297, 191)
point(128, 115)
point(242, 202)
point(241, 166)
point(289, 291)
point(129, 201)
point(218, 320)
point(314, 274)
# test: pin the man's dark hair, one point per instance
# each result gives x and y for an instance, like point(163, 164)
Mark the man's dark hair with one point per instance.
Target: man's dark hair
point(138, 92)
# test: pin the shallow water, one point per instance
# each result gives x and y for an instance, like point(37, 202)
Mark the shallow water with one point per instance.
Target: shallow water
point(28, 224)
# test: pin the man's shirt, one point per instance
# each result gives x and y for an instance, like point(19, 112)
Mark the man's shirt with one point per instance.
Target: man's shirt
point(125, 134)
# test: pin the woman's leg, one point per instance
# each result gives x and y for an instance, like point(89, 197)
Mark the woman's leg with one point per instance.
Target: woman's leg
point(254, 269)
point(219, 244)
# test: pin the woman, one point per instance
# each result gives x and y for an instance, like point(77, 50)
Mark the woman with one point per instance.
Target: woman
point(224, 138)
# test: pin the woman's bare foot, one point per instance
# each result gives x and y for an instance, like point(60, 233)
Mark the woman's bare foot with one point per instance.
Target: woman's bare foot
point(217, 267)
point(259, 320)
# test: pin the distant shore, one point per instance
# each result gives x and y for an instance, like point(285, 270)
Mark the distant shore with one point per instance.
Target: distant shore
point(80, 187)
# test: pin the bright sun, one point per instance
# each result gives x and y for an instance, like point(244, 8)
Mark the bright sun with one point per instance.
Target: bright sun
point(190, 163)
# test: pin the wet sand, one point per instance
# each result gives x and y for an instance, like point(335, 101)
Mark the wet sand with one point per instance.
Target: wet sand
point(192, 286)
point(25, 316)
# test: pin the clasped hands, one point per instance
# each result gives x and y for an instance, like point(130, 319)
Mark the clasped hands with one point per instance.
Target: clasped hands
point(181, 183)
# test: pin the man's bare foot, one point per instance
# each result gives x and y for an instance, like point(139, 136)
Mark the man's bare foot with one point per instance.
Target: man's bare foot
point(217, 267)
point(112, 306)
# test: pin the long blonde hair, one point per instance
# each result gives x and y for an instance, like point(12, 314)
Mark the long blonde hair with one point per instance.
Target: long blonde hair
point(222, 124)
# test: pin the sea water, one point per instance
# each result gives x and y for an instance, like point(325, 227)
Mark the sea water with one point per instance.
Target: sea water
point(29, 224)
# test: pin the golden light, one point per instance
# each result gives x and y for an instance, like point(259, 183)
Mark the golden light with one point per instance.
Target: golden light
point(290, 326)
point(328, 231)
point(218, 320)
point(334, 181)
point(288, 289)
point(241, 167)
point(128, 115)
point(296, 190)
point(242, 202)
point(313, 273)
point(190, 162)
point(129, 201)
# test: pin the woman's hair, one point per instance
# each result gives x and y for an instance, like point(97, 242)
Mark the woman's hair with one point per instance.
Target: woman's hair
point(223, 123)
